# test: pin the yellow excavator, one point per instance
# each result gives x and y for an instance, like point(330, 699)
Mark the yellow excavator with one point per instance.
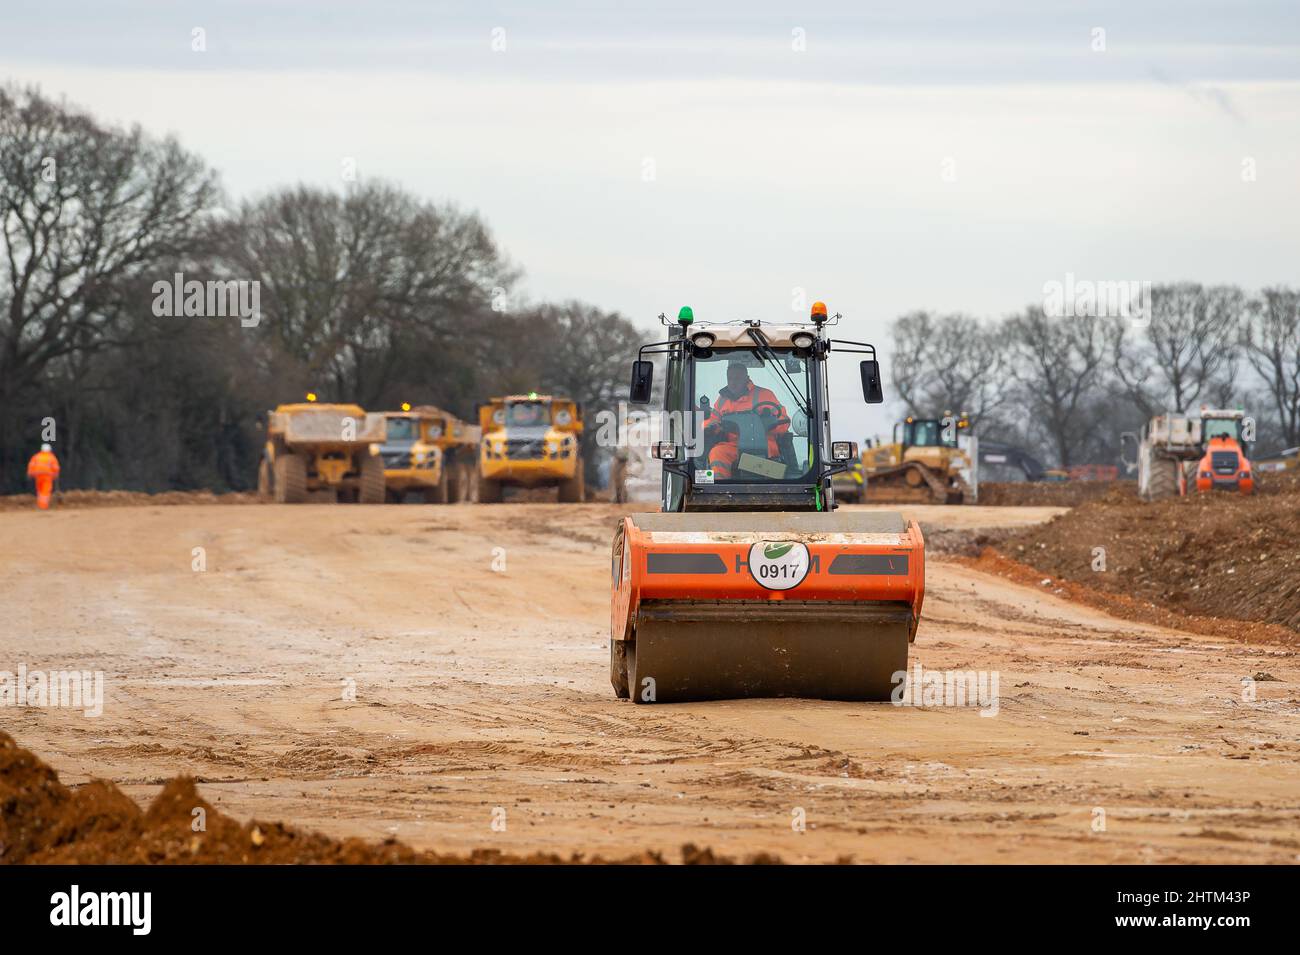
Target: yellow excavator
point(922, 464)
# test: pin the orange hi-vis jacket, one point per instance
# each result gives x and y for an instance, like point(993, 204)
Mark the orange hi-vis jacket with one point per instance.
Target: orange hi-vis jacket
point(43, 464)
point(762, 400)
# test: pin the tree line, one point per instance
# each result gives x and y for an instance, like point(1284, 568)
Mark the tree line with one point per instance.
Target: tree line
point(379, 296)
point(371, 294)
point(1065, 383)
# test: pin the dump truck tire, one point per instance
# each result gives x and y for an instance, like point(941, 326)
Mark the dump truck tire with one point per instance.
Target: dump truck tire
point(489, 492)
point(571, 491)
point(372, 480)
point(618, 667)
point(1164, 479)
point(290, 478)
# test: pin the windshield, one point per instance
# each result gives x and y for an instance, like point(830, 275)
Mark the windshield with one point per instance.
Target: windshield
point(755, 417)
point(401, 429)
point(523, 414)
point(1220, 428)
point(928, 434)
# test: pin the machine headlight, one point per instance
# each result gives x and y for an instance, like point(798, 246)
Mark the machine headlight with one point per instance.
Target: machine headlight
point(843, 451)
point(563, 417)
point(802, 339)
point(703, 339)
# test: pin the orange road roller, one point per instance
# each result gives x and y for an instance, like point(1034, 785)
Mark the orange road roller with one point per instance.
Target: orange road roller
point(747, 582)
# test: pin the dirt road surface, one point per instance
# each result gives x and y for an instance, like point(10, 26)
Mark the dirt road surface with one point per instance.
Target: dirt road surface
point(481, 689)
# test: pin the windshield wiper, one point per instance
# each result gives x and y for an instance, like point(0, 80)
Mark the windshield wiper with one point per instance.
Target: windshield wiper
point(765, 350)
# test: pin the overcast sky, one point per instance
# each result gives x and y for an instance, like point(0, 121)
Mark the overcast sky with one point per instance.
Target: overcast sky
point(640, 156)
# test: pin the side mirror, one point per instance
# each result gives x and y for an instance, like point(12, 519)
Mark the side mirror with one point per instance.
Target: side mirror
point(663, 451)
point(643, 374)
point(872, 393)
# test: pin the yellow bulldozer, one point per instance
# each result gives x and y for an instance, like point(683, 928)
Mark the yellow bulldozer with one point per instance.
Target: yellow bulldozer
point(430, 452)
point(322, 451)
point(922, 464)
point(530, 441)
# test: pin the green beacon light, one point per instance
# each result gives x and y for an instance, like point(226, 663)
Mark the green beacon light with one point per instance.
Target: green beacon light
point(532, 394)
point(685, 316)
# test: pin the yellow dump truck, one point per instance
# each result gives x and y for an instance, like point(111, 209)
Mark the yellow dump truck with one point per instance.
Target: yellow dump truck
point(322, 450)
point(430, 452)
point(530, 441)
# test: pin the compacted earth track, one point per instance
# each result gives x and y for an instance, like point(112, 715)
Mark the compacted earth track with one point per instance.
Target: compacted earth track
point(439, 675)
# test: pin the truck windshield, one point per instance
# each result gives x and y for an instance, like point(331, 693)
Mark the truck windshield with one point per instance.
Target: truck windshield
point(755, 429)
point(401, 429)
point(522, 414)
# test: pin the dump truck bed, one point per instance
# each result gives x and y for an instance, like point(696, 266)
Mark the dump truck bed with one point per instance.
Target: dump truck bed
point(325, 426)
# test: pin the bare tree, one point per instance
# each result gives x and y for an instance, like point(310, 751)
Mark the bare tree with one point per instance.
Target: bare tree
point(1058, 364)
point(1271, 333)
point(350, 282)
point(87, 214)
point(948, 362)
point(1186, 353)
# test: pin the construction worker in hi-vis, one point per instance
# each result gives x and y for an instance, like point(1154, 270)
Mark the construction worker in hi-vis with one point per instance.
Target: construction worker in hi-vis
point(43, 468)
point(741, 394)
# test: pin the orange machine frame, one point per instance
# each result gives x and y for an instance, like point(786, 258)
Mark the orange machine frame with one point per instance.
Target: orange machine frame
point(901, 578)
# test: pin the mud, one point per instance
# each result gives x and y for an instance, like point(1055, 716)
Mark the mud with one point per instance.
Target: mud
point(1219, 555)
point(43, 822)
point(1051, 493)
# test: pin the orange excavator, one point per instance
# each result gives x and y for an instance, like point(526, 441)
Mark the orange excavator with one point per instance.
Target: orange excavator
point(747, 583)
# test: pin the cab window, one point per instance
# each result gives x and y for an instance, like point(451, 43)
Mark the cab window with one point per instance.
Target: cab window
point(523, 414)
point(753, 412)
point(401, 429)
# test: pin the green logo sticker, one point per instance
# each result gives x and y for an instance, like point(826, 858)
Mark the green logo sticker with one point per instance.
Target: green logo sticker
point(778, 565)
